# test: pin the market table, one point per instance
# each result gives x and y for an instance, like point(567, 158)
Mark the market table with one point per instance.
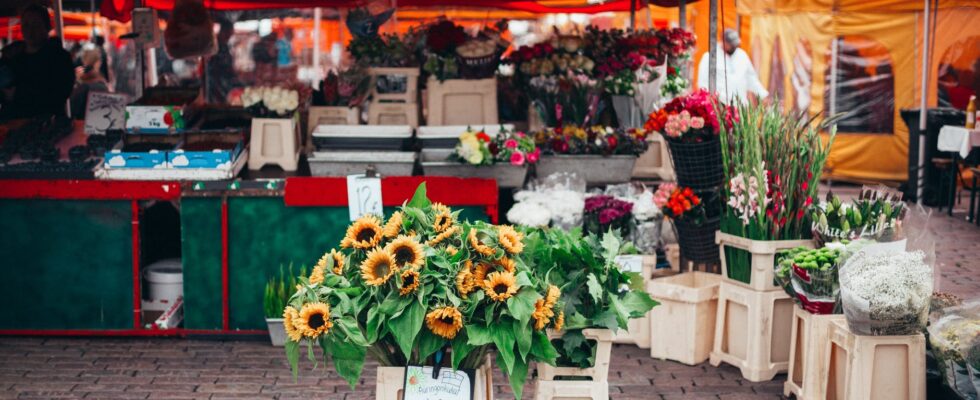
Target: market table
point(73, 247)
point(959, 141)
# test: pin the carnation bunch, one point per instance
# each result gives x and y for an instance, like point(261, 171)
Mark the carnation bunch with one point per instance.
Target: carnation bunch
point(604, 213)
point(690, 118)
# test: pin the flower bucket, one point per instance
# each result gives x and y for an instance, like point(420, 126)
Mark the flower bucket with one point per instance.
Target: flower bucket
point(595, 169)
point(277, 334)
point(507, 176)
point(391, 381)
point(682, 328)
point(697, 165)
point(751, 263)
point(697, 242)
point(597, 385)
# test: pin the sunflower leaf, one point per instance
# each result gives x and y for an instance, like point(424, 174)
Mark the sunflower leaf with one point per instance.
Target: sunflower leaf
point(352, 331)
point(420, 199)
point(461, 348)
point(503, 337)
point(348, 359)
point(542, 349)
point(521, 306)
point(374, 322)
point(406, 326)
point(429, 343)
point(517, 377)
point(523, 336)
point(292, 355)
point(478, 335)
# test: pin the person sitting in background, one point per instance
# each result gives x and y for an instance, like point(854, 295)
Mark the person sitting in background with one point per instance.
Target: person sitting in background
point(42, 70)
point(735, 76)
point(220, 67)
point(89, 79)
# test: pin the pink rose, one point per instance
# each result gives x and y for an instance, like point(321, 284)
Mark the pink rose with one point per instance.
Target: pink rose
point(533, 156)
point(685, 116)
point(697, 122)
point(517, 158)
point(510, 144)
point(521, 135)
point(684, 125)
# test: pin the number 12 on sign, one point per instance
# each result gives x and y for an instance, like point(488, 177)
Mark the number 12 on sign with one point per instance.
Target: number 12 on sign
point(364, 196)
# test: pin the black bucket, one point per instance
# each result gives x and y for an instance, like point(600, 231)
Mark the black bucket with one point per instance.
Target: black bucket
point(697, 165)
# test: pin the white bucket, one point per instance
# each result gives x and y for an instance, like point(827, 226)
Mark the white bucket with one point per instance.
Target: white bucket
point(165, 280)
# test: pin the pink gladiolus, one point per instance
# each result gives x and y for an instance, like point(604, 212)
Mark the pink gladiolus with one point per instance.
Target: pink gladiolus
point(510, 144)
point(517, 158)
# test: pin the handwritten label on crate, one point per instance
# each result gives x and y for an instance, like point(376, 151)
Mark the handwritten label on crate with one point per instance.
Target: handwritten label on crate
point(364, 196)
point(105, 111)
point(630, 263)
point(449, 385)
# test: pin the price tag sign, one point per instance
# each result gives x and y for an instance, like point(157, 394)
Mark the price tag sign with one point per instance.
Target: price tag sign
point(449, 385)
point(630, 263)
point(364, 196)
point(105, 111)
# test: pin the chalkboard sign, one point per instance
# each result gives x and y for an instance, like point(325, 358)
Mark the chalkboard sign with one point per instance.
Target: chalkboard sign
point(105, 111)
point(450, 384)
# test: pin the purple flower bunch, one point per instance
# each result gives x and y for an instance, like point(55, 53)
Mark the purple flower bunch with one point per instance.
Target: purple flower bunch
point(607, 208)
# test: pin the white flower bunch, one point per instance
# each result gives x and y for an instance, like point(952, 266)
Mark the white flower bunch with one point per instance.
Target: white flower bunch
point(644, 209)
point(562, 207)
point(277, 99)
point(886, 293)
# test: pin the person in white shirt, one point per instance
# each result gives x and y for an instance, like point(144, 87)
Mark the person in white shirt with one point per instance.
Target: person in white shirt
point(735, 75)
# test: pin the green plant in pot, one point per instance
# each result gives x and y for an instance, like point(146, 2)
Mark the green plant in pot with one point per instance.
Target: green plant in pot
point(278, 289)
point(596, 293)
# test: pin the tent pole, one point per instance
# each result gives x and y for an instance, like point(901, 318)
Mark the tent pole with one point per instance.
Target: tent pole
point(633, 15)
point(59, 22)
point(923, 97)
point(317, 20)
point(834, 48)
point(712, 45)
point(682, 14)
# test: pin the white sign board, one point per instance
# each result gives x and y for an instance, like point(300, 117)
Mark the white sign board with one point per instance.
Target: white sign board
point(630, 263)
point(146, 26)
point(449, 385)
point(364, 196)
point(105, 111)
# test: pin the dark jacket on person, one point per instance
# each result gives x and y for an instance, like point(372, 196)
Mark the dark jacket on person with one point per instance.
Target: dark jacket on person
point(42, 81)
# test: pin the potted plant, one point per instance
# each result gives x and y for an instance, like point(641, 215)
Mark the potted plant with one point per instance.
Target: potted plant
point(277, 292)
point(504, 157)
point(598, 301)
point(598, 154)
point(420, 288)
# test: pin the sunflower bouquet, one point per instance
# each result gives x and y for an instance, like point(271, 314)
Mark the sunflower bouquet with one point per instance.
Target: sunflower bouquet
point(427, 283)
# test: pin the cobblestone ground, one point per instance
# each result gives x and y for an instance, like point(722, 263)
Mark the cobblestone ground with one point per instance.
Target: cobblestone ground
point(139, 368)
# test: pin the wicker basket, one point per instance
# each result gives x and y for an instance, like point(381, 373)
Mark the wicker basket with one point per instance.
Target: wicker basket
point(697, 165)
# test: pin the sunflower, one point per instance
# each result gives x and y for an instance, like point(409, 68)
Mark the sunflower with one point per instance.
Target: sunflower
point(451, 250)
point(314, 320)
point(289, 318)
point(338, 262)
point(506, 263)
point(500, 286)
point(319, 270)
point(510, 239)
point(444, 218)
point(478, 246)
point(480, 272)
point(407, 252)
point(410, 282)
point(552, 297)
point(393, 226)
point(560, 321)
point(542, 314)
point(443, 236)
point(364, 233)
point(445, 322)
point(378, 267)
point(464, 279)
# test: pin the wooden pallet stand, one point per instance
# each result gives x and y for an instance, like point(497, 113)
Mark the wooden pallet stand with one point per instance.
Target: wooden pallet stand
point(655, 162)
point(752, 330)
point(393, 114)
point(763, 258)
point(462, 102)
point(596, 389)
point(874, 367)
point(807, 377)
point(411, 93)
point(682, 327)
point(391, 380)
point(275, 141)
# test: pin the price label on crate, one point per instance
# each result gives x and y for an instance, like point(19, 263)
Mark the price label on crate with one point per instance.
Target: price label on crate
point(630, 263)
point(364, 195)
point(450, 384)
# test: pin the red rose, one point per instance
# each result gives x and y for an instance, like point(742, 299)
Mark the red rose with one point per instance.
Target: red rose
point(483, 137)
point(612, 141)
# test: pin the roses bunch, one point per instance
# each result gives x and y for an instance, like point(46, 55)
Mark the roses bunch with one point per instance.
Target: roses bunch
point(265, 101)
point(478, 148)
point(677, 202)
point(690, 118)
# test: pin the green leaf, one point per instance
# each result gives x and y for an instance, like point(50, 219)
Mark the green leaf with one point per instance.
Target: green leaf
point(406, 327)
point(503, 338)
point(461, 348)
point(610, 246)
point(521, 306)
point(571, 340)
point(622, 315)
point(517, 378)
point(478, 335)
point(292, 355)
point(575, 320)
point(349, 326)
point(606, 319)
point(348, 359)
point(374, 323)
point(542, 349)
point(429, 343)
point(522, 335)
point(420, 199)
point(595, 290)
point(638, 303)
point(393, 304)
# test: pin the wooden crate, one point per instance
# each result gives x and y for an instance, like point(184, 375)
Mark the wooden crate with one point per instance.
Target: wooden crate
point(807, 376)
point(461, 102)
point(596, 388)
point(655, 162)
point(874, 367)
point(752, 330)
point(763, 258)
point(411, 93)
point(393, 114)
point(673, 252)
point(682, 326)
point(391, 380)
point(275, 141)
point(638, 331)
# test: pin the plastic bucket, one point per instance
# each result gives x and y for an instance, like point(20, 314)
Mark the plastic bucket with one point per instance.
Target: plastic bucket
point(165, 280)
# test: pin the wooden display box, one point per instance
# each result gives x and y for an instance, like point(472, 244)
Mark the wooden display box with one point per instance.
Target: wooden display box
point(319, 115)
point(462, 102)
point(393, 114)
point(807, 377)
point(874, 367)
point(391, 380)
point(682, 327)
point(763, 258)
point(275, 141)
point(596, 388)
point(655, 162)
point(386, 82)
point(752, 330)
point(638, 329)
